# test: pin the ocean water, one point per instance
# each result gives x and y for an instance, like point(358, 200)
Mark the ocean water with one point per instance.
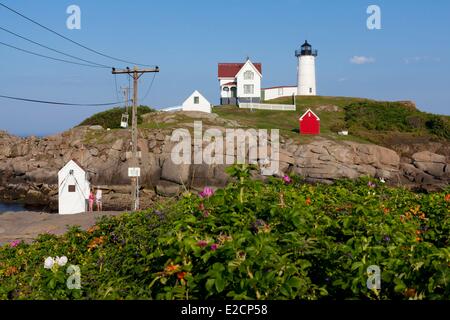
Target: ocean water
point(14, 207)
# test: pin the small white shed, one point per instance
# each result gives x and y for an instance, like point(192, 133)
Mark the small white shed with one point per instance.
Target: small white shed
point(196, 102)
point(74, 188)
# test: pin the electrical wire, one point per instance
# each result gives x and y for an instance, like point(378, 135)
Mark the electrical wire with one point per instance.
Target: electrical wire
point(117, 88)
point(149, 88)
point(54, 50)
point(48, 57)
point(129, 81)
point(68, 39)
point(64, 180)
point(81, 189)
point(63, 103)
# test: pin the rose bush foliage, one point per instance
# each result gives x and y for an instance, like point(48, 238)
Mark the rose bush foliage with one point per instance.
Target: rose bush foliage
point(251, 240)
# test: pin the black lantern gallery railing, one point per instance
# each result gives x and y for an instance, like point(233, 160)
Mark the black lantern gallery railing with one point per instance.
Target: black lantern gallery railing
point(303, 52)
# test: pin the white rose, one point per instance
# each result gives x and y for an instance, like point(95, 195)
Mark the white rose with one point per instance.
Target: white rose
point(49, 262)
point(62, 261)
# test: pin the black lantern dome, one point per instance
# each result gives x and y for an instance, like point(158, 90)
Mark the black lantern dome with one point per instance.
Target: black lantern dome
point(306, 50)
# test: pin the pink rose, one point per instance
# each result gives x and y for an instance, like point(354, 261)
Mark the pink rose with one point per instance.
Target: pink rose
point(15, 243)
point(287, 179)
point(206, 193)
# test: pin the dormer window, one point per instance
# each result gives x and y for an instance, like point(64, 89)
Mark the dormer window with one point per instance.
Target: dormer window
point(248, 75)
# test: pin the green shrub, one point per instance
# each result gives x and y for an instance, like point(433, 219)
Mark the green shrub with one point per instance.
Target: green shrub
point(111, 118)
point(415, 121)
point(437, 126)
point(251, 240)
point(338, 126)
point(381, 116)
point(395, 117)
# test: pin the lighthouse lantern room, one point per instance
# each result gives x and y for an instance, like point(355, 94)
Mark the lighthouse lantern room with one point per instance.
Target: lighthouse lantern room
point(306, 85)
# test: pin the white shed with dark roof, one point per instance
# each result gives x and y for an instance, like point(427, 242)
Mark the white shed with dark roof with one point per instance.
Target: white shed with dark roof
point(73, 189)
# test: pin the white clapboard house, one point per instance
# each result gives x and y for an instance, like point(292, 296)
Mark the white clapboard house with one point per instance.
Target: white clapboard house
point(239, 82)
point(74, 188)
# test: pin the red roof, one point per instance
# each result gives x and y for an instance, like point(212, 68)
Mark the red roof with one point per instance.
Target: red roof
point(230, 84)
point(230, 70)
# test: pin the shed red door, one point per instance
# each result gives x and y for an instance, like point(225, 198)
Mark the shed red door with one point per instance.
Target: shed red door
point(309, 123)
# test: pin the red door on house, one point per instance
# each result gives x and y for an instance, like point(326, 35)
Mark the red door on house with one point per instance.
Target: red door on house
point(309, 123)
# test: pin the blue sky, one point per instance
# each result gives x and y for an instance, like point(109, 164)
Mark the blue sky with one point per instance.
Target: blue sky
point(409, 56)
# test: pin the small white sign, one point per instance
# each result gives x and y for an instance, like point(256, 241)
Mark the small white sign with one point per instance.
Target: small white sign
point(134, 172)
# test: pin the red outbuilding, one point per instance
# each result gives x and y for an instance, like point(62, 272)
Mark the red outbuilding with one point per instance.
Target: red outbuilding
point(309, 123)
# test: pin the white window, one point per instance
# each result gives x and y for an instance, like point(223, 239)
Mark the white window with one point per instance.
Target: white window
point(249, 88)
point(196, 100)
point(248, 75)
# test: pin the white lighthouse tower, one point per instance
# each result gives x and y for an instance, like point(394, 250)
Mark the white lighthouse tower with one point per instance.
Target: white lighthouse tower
point(306, 85)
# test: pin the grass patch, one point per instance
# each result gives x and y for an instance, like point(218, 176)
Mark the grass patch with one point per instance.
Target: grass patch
point(111, 118)
point(368, 121)
point(287, 121)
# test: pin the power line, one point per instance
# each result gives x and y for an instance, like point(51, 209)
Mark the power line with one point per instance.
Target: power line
point(48, 57)
point(117, 88)
point(68, 39)
point(63, 103)
point(129, 81)
point(57, 51)
point(149, 88)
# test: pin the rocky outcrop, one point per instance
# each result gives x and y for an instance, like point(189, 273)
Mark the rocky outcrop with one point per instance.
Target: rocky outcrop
point(29, 166)
point(425, 167)
point(328, 160)
point(431, 163)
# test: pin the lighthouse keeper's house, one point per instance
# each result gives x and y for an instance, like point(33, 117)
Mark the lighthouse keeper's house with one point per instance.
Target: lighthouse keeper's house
point(240, 82)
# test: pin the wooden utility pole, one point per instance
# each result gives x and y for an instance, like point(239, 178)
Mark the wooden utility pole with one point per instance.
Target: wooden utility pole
point(136, 74)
